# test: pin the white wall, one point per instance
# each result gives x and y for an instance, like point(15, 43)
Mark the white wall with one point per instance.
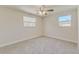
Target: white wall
point(52, 29)
point(12, 28)
point(78, 25)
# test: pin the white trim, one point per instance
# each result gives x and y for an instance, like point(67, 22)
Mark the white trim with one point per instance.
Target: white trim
point(7, 44)
point(60, 38)
point(14, 42)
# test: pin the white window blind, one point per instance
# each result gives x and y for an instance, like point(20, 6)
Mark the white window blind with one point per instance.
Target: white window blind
point(29, 21)
point(65, 21)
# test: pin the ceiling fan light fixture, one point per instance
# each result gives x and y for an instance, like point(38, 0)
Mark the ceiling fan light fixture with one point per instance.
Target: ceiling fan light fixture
point(43, 11)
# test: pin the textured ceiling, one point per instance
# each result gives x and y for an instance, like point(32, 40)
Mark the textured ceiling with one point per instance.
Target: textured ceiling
point(33, 8)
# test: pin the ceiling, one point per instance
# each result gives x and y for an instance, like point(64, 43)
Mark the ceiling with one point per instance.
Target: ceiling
point(33, 8)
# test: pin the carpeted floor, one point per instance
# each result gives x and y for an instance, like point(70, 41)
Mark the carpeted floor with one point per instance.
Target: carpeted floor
point(41, 45)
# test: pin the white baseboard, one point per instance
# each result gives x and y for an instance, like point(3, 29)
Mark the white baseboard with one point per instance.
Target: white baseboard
point(14, 42)
point(60, 38)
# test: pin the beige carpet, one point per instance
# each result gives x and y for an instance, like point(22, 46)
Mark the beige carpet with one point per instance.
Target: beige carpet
point(41, 45)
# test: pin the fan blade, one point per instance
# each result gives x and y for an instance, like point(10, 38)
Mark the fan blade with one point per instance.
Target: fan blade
point(50, 10)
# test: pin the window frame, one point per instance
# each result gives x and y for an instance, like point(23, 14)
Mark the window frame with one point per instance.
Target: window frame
point(29, 22)
point(65, 23)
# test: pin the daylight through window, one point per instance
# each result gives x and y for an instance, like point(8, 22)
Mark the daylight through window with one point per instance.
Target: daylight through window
point(64, 21)
point(29, 21)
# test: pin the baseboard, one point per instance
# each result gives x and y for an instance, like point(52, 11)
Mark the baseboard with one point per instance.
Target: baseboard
point(7, 44)
point(61, 39)
point(14, 42)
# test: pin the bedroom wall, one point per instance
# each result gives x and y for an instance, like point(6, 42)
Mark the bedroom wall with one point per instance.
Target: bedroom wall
point(12, 28)
point(78, 25)
point(52, 28)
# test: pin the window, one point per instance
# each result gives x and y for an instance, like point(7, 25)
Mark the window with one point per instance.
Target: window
point(29, 21)
point(64, 21)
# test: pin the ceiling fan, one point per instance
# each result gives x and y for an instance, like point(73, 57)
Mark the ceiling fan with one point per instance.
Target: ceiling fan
point(43, 11)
